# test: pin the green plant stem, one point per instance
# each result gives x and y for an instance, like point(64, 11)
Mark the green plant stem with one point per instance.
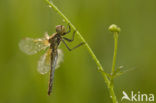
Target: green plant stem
point(113, 97)
point(113, 67)
point(100, 68)
point(115, 51)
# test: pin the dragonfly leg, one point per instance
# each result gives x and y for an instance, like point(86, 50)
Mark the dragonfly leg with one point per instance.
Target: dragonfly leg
point(70, 49)
point(70, 40)
point(68, 28)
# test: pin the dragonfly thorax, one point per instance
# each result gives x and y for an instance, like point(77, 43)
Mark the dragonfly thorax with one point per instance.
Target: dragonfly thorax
point(55, 40)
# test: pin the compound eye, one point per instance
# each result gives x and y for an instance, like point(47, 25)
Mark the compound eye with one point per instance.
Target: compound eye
point(58, 28)
point(63, 29)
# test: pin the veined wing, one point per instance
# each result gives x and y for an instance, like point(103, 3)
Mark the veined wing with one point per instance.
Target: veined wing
point(44, 62)
point(31, 46)
point(60, 58)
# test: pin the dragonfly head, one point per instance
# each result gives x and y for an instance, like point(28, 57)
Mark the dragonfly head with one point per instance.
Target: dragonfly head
point(60, 29)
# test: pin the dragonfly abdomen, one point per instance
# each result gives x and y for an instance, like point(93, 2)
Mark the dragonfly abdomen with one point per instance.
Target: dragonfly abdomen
point(54, 56)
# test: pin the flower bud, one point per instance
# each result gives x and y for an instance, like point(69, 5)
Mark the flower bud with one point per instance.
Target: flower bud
point(114, 28)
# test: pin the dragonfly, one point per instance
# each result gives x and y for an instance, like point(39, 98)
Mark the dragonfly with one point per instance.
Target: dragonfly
point(52, 57)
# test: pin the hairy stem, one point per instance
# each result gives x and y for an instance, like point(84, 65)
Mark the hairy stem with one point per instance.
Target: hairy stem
point(100, 68)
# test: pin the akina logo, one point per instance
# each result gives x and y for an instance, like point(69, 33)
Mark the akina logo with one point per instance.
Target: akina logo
point(138, 96)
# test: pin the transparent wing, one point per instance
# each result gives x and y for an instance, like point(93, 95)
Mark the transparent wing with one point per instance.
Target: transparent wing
point(44, 62)
point(31, 46)
point(60, 58)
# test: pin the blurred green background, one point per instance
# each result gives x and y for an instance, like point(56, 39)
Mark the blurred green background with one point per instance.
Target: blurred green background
point(77, 80)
